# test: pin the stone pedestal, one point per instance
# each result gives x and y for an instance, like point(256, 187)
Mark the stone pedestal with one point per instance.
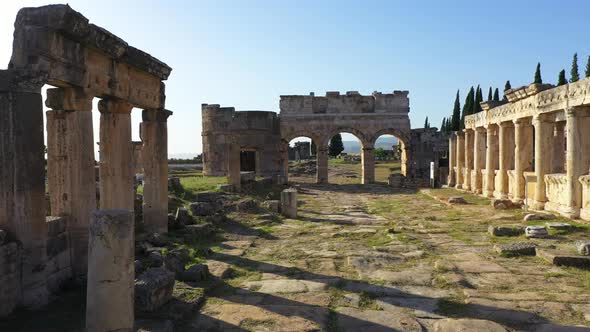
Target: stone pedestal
point(109, 293)
point(460, 146)
point(70, 167)
point(322, 165)
point(452, 160)
point(523, 155)
point(492, 159)
point(479, 160)
point(289, 203)
point(543, 152)
point(116, 155)
point(154, 159)
point(368, 165)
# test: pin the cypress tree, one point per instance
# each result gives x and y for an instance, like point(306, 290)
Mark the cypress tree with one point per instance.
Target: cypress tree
point(336, 146)
point(496, 95)
point(443, 124)
point(456, 118)
point(561, 79)
point(490, 94)
point(588, 67)
point(538, 78)
point(575, 75)
point(467, 106)
point(478, 99)
point(507, 86)
point(426, 124)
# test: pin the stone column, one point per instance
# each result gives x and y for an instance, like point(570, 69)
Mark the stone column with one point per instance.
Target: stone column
point(368, 165)
point(543, 152)
point(154, 159)
point(523, 155)
point(289, 203)
point(116, 155)
point(492, 159)
point(460, 159)
point(22, 177)
point(468, 159)
point(558, 154)
point(479, 159)
point(233, 166)
point(577, 156)
point(110, 288)
point(322, 164)
point(452, 159)
point(70, 167)
point(506, 152)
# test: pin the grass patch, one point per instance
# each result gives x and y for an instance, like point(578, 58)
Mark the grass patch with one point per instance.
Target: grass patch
point(378, 240)
point(452, 307)
point(367, 302)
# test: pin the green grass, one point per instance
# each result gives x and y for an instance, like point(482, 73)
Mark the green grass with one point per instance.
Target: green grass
point(196, 184)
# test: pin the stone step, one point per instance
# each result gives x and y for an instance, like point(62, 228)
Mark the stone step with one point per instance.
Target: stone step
point(564, 259)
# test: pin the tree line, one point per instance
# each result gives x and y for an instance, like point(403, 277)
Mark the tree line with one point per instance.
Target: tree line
point(474, 97)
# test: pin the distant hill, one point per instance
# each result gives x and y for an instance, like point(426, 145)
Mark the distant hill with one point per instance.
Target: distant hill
point(355, 146)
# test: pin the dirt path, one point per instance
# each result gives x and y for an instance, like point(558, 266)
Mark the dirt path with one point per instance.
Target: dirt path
point(368, 258)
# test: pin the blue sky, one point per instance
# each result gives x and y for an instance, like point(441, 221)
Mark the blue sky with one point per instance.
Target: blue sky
point(247, 53)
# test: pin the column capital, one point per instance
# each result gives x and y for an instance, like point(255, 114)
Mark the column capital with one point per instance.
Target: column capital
point(579, 111)
point(521, 121)
point(506, 124)
point(155, 115)
point(460, 133)
point(69, 99)
point(480, 129)
point(541, 118)
point(114, 106)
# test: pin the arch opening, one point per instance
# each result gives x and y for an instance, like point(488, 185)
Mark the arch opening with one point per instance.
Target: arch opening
point(300, 153)
point(345, 153)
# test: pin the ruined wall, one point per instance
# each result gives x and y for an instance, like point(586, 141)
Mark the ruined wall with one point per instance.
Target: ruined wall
point(247, 130)
point(427, 145)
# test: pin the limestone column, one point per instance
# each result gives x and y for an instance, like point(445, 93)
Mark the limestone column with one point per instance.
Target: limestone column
point(289, 203)
point(492, 159)
point(22, 177)
point(322, 164)
point(543, 152)
point(479, 159)
point(368, 164)
point(116, 155)
point(558, 144)
point(468, 159)
point(154, 159)
point(110, 288)
point(70, 167)
point(506, 152)
point(452, 159)
point(523, 155)
point(577, 156)
point(460, 146)
point(233, 166)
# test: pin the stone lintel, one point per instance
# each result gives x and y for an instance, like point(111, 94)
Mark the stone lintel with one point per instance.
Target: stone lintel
point(155, 115)
point(114, 106)
point(22, 80)
point(69, 99)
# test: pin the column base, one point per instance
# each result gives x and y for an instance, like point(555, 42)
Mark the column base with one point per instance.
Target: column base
point(536, 205)
point(563, 210)
point(488, 194)
point(458, 186)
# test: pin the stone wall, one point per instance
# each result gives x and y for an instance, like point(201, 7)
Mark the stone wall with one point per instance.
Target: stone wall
point(247, 131)
point(428, 145)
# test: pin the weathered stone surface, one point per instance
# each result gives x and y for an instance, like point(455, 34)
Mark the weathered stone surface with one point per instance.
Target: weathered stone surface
point(57, 244)
point(247, 205)
point(520, 248)
point(289, 203)
point(2, 236)
point(202, 208)
point(504, 204)
point(273, 206)
point(467, 325)
point(174, 183)
point(55, 225)
point(198, 230)
point(182, 217)
point(196, 272)
point(157, 239)
point(506, 230)
point(351, 319)
point(583, 247)
point(153, 288)
point(152, 325)
point(537, 216)
point(558, 225)
point(176, 260)
point(536, 231)
point(457, 200)
point(563, 259)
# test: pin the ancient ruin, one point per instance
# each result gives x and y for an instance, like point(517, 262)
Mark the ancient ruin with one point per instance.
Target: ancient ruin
point(529, 149)
point(57, 46)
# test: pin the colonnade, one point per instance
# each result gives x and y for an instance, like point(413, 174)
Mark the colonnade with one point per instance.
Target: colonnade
point(540, 160)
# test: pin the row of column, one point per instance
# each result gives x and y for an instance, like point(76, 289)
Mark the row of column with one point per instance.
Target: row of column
point(481, 158)
point(71, 169)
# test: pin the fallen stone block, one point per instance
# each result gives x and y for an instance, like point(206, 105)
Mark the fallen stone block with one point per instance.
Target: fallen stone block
point(537, 216)
point(516, 249)
point(536, 232)
point(157, 239)
point(504, 204)
point(564, 259)
point(153, 288)
point(463, 324)
point(198, 230)
point(227, 188)
point(558, 225)
point(273, 206)
point(457, 200)
point(506, 230)
point(202, 208)
point(196, 272)
point(182, 217)
point(583, 247)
